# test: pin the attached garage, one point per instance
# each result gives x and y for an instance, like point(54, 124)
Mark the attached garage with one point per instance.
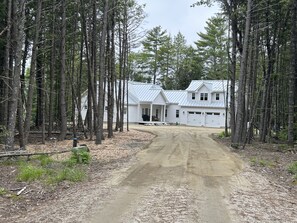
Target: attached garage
point(195, 118)
point(212, 119)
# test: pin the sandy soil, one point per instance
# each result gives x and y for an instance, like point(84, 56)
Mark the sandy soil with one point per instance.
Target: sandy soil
point(182, 176)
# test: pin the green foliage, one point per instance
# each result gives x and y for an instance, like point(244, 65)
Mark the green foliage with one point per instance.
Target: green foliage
point(80, 155)
point(223, 135)
point(45, 169)
point(283, 134)
point(66, 174)
point(2, 191)
point(262, 162)
point(28, 172)
point(212, 48)
point(293, 169)
point(45, 160)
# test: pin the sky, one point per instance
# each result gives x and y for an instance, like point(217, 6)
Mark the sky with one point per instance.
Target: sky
point(177, 15)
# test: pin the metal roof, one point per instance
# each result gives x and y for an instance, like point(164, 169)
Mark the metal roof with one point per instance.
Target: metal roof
point(212, 85)
point(187, 103)
point(174, 96)
point(145, 92)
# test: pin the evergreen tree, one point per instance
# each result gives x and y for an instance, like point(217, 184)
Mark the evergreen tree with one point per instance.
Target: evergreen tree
point(212, 48)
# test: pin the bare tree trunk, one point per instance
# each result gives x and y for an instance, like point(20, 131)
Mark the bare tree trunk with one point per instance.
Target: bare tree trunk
point(99, 137)
point(233, 68)
point(63, 112)
point(240, 126)
point(52, 72)
point(18, 31)
point(111, 79)
point(4, 80)
point(293, 75)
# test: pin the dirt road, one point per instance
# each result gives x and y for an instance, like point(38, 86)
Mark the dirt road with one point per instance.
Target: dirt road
point(183, 176)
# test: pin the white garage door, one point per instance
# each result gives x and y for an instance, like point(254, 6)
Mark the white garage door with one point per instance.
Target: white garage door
point(212, 119)
point(194, 118)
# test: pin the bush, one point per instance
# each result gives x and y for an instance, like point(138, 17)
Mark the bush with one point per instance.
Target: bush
point(80, 155)
point(29, 172)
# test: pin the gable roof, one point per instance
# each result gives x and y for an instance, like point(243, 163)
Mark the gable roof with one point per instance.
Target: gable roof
point(145, 92)
point(212, 85)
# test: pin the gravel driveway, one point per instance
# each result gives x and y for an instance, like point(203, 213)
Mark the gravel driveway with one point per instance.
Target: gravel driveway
point(182, 176)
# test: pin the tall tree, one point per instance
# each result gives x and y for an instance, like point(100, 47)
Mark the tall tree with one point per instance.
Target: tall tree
point(293, 76)
point(18, 15)
point(212, 48)
point(155, 38)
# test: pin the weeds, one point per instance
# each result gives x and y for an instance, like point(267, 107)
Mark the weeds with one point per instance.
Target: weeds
point(45, 169)
point(223, 135)
point(293, 169)
point(28, 172)
point(261, 162)
point(2, 191)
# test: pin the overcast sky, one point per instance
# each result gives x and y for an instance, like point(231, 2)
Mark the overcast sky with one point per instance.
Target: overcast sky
point(177, 15)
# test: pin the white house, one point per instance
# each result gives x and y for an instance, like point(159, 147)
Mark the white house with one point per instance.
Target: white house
point(203, 103)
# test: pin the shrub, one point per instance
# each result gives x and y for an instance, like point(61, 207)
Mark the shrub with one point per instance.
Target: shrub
point(80, 155)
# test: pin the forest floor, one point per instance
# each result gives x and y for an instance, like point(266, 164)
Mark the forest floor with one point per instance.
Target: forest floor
point(168, 176)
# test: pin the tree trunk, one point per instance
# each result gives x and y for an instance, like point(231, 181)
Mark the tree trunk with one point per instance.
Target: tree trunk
point(18, 34)
point(293, 75)
point(63, 112)
point(52, 72)
point(102, 72)
point(240, 127)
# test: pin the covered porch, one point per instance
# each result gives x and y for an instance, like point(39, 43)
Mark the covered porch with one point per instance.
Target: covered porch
point(151, 113)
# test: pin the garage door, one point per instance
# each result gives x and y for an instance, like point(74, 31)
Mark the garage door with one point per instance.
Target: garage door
point(212, 119)
point(194, 118)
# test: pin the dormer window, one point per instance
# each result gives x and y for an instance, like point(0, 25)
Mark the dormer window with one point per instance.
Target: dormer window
point(193, 96)
point(217, 97)
point(203, 96)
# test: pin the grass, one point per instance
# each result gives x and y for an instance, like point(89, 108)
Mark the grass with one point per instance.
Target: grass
point(29, 172)
point(51, 172)
point(293, 169)
point(262, 162)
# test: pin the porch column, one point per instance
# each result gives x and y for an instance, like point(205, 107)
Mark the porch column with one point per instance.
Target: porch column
point(164, 112)
point(138, 112)
point(151, 113)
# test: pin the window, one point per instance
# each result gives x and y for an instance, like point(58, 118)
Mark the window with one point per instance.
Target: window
point(166, 113)
point(203, 96)
point(209, 113)
point(216, 113)
point(177, 114)
point(191, 113)
point(145, 111)
point(217, 97)
point(157, 113)
point(193, 96)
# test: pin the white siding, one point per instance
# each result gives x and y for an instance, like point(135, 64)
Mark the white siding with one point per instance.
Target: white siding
point(171, 114)
point(159, 100)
